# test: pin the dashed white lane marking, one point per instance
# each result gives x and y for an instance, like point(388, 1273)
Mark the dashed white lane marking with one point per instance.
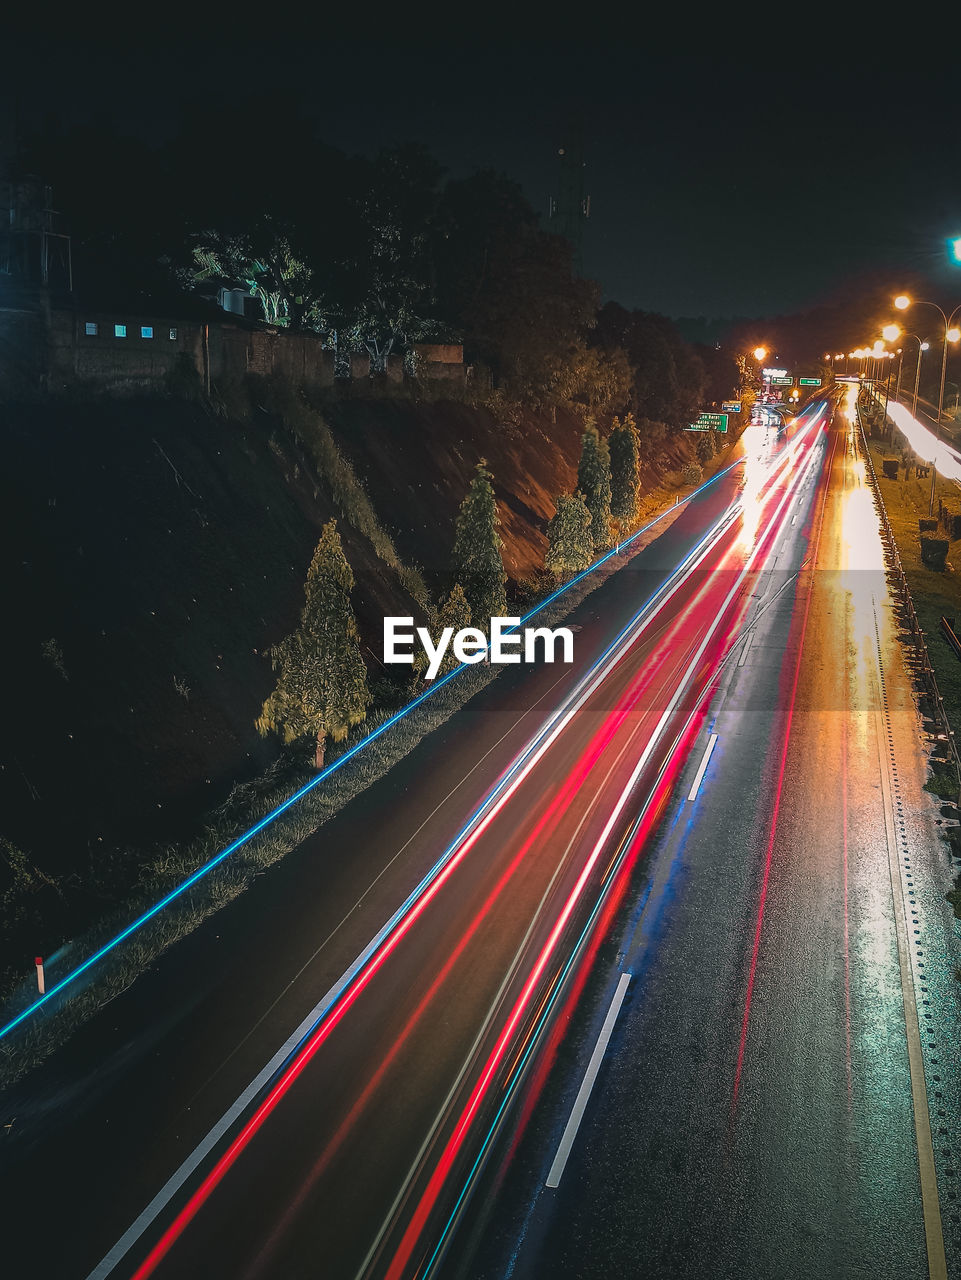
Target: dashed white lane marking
point(705, 761)
point(587, 1084)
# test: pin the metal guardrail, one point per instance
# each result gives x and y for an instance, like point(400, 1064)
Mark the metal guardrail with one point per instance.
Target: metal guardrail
point(907, 604)
point(950, 635)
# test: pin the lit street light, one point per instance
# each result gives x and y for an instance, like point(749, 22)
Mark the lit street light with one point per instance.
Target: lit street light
point(923, 345)
point(951, 334)
point(760, 353)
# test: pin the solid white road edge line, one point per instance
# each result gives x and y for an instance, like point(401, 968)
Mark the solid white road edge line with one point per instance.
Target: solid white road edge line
point(704, 762)
point(587, 1084)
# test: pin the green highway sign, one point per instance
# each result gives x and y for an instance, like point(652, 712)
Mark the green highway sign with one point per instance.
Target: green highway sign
point(782, 382)
point(709, 422)
point(809, 382)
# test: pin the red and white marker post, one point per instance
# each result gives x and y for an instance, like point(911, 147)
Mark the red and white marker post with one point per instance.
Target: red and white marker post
point(40, 983)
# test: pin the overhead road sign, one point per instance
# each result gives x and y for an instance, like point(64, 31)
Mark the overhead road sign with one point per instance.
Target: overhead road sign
point(809, 382)
point(731, 406)
point(709, 422)
point(785, 380)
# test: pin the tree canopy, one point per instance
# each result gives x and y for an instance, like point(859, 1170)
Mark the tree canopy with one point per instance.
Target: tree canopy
point(374, 253)
point(321, 687)
point(594, 481)
point(570, 547)
point(624, 445)
point(476, 562)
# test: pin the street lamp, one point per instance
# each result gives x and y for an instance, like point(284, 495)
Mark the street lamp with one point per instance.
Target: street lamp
point(897, 390)
point(760, 353)
point(923, 345)
point(951, 334)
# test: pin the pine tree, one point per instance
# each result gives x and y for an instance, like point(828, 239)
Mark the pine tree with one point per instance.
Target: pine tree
point(321, 677)
point(453, 612)
point(625, 470)
point(704, 448)
point(476, 558)
point(570, 547)
point(594, 481)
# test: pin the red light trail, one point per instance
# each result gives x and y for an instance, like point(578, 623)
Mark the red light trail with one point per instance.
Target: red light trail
point(715, 609)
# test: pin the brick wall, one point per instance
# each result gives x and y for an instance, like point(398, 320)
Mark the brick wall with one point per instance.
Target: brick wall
point(120, 351)
point(117, 351)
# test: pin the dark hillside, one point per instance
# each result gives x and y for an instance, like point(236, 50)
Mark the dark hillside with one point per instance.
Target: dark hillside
point(416, 461)
point(154, 553)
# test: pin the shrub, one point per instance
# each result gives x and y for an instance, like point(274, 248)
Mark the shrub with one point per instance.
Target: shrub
point(934, 552)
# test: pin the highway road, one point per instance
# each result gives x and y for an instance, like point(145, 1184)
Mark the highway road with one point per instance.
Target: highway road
point(358, 1031)
point(780, 1093)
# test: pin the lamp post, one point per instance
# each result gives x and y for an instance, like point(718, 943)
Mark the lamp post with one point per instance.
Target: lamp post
point(891, 333)
point(751, 379)
point(951, 334)
point(923, 345)
point(902, 302)
point(891, 356)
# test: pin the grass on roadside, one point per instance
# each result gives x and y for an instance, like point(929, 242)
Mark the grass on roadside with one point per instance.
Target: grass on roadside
point(935, 594)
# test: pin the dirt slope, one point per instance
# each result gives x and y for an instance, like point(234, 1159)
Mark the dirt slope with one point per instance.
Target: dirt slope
point(154, 552)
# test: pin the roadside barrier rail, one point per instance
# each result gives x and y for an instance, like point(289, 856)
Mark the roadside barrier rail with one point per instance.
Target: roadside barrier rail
point(924, 664)
point(950, 634)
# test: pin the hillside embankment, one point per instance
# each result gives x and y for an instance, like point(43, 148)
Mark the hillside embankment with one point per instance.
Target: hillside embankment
point(157, 549)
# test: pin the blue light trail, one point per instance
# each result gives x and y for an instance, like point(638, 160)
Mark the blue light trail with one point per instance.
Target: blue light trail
point(203, 871)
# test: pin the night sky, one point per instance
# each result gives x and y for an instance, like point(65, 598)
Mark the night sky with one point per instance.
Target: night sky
point(756, 181)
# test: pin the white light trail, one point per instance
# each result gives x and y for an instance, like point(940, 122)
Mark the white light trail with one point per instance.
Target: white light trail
point(925, 443)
